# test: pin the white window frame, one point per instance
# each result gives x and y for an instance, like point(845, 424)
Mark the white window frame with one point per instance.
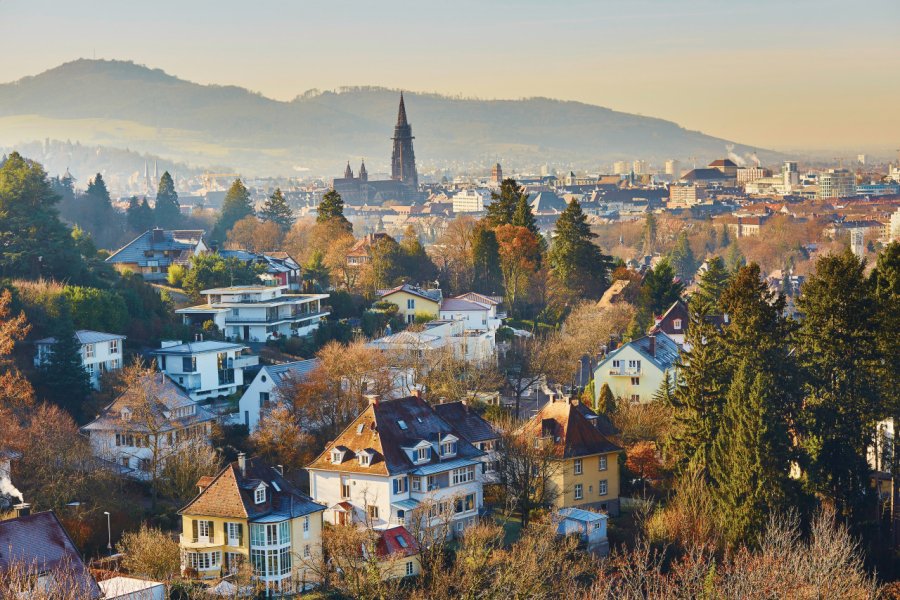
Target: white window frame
point(579, 491)
point(259, 494)
point(423, 454)
point(410, 568)
point(306, 528)
point(89, 351)
point(113, 346)
point(202, 526)
point(603, 487)
point(676, 324)
point(603, 463)
point(235, 539)
point(579, 466)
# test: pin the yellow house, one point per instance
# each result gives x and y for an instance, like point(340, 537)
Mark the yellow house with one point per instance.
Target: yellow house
point(587, 473)
point(250, 514)
point(398, 552)
point(413, 301)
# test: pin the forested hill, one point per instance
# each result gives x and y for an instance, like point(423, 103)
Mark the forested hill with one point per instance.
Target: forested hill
point(116, 103)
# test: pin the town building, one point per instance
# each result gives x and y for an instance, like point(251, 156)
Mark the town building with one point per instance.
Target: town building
point(674, 322)
point(258, 313)
point(398, 552)
point(39, 547)
point(403, 158)
point(263, 390)
point(205, 369)
point(399, 460)
point(153, 252)
point(471, 201)
point(636, 370)
point(589, 526)
point(836, 183)
point(248, 513)
point(477, 316)
point(686, 196)
point(673, 167)
point(477, 431)
point(743, 225)
point(280, 269)
point(586, 462)
point(413, 301)
point(419, 350)
point(132, 588)
point(100, 353)
point(360, 253)
point(497, 175)
point(150, 421)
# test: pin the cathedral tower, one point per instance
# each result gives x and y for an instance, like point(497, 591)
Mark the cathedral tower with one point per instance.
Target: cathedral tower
point(403, 159)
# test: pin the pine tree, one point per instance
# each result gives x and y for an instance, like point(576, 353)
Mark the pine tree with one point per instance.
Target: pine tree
point(606, 402)
point(575, 261)
point(167, 213)
point(277, 211)
point(712, 283)
point(666, 391)
point(682, 258)
point(139, 215)
point(487, 277)
point(332, 207)
point(502, 209)
point(98, 217)
point(236, 206)
point(315, 272)
point(649, 234)
point(66, 382)
point(838, 350)
point(415, 261)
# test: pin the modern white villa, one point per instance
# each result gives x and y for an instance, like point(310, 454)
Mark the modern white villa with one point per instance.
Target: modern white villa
point(205, 369)
point(257, 313)
point(100, 352)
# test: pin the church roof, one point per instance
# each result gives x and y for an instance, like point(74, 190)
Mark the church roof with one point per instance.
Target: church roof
point(401, 114)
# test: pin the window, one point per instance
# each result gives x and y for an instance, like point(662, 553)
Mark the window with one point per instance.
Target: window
point(602, 463)
point(235, 534)
point(417, 484)
point(463, 475)
point(336, 456)
point(284, 532)
point(402, 425)
point(448, 449)
point(635, 381)
point(372, 511)
point(465, 504)
point(401, 541)
point(306, 527)
point(263, 399)
point(423, 454)
point(89, 350)
point(203, 561)
point(617, 364)
point(579, 491)
point(635, 397)
point(90, 369)
point(306, 551)
point(400, 485)
point(114, 346)
point(410, 304)
point(345, 488)
point(603, 488)
point(204, 530)
point(364, 459)
point(634, 364)
point(233, 561)
point(410, 569)
point(579, 466)
point(676, 324)
point(188, 364)
point(259, 495)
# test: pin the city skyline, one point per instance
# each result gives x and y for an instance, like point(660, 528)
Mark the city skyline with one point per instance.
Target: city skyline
point(765, 74)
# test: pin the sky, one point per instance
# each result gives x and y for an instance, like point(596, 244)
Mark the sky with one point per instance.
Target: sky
point(785, 74)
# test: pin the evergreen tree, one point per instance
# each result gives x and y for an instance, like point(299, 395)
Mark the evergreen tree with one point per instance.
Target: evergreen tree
point(236, 206)
point(167, 213)
point(666, 392)
point(606, 402)
point(387, 263)
point(315, 273)
point(734, 260)
point(503, 206)
point(277, 211)
point(211, 270)
point(64, 379)
point(99, 218)
point(838, 349)
point(659, 290)
point(712, 283)
point(682, 258)
point(649, 234)
point(575, 261)
point(332, 207)
point(416, 262)
point(487, 277)
point(139, 215)
point(524, 217)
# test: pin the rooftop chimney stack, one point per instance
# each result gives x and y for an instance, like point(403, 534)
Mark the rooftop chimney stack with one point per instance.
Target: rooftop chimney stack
point(22, 510)
point(373, 399)
point(242, 463)
point(652, 339)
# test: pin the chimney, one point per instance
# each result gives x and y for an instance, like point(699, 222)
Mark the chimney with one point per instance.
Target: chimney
point(22, 510)
point(280, 469)
point(417, 392)
point(574, 401)
point(158, 235)
point(372, 398)
point(652, 339)
point(242, 463)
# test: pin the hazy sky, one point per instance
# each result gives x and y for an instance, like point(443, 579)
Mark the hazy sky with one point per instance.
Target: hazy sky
point(783, 74)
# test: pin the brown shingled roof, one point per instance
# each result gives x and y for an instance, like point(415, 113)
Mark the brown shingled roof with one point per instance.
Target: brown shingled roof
point(573, 434)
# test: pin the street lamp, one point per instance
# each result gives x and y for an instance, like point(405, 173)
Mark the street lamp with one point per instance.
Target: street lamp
point(109, 533)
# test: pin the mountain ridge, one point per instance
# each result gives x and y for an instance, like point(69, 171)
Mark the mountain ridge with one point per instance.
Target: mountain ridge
point(227, 124)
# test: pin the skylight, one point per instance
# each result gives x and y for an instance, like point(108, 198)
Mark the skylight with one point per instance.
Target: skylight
point(401, 540)
point(402, 424)
point(359, 428)
point(275, 485)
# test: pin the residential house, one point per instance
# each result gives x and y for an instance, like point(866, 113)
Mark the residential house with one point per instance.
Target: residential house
point(132, 588)
point(39, 546)
point(205, 369)
point(153, 252)
point(9, 495)
point(263, 390)
point(674, 322)
point(257, 313)
point(589, 526)
point(152, 420)
point(477, 316)
point(587, 462)
point(475, 430)
point(636, 370)
point(360, 253)
point(398, 460)
point(100, 352)
point(398, 552)
point(280, 269)
point(413, 301)
point(249, 513)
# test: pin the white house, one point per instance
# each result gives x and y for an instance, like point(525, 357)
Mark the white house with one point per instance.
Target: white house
point(399, 460)
point(100, 352)
point(256, 313)
point(477, 316)
point(635, 371)
point(471, 201)
point(476, 430)
point(264, 388)
point(148, 423)
point(205, 369)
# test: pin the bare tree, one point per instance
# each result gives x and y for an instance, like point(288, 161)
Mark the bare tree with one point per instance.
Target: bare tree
point(151, 553)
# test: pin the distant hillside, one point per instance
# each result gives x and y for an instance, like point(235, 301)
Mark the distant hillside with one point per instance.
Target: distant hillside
point(121, 104)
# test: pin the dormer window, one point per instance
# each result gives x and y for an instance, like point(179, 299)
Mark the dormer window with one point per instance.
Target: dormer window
point(423, 454)
point(364, 459)
point(126, 414)
point(448, 446)
point(336, 457)
point(259, 494)
point(676, 324)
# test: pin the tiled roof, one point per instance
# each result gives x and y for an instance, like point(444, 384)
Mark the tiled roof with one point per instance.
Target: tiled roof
point(39, 543)
point(466, 421)
point(389, 542)
point(723, 162)
point(548, 202)
point(181, 243)
point(432, 295)
point(456, 304)
point(297, 368)
point(598, 420)
point(86, 336)
point(572, 433)
point(231, 495)
point(704, 175)
point(379, 428)
point(480, 298)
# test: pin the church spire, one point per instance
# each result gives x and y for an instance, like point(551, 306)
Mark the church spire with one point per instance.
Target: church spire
point(363, 174)
point(348, 172)
point(401, 114)
point(403, 159)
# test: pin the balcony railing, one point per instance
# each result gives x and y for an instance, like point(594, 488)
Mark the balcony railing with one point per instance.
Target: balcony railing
point(625, 371)
point(232, 319)
point(241, 362)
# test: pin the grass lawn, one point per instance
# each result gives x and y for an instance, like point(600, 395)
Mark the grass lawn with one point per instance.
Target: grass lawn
point(512, 529)
point(624, 529)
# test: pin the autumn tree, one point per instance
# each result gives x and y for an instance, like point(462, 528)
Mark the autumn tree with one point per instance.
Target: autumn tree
point(151, 553)
point(643, 462)
point(519, 253)
point(281, 440)
point(254, 235)
point(456, 257)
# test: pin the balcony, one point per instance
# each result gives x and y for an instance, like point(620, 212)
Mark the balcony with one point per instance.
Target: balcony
point(272, 319)
point(625, 371)
point(188, 541)
point(242, 362)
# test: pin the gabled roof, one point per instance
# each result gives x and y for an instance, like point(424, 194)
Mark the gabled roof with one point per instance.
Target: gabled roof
point(470, 425)
point(704, 175)
point(39, 543)
point(390, 544)
point(548, 202)
point(180, 242)
point(379, 428)
point(480, 298)
point(431, 295)
point(230, 494)
point(663, 356)
point(86, 336)
point(164, 397)
point(455, 304)
point(571, 432)
point(298, 369)
point(723, 162)
point(598, 420)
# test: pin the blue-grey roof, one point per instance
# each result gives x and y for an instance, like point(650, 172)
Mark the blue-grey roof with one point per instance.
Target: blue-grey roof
point(667, 351)
point(198, 347)
point(581, 515)
point(86, 336)
point(298, 369)
point(152, 244)
point(408, 504)
point(548, 201)
point(444, 466)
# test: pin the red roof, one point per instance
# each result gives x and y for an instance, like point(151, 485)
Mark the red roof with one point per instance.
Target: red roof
point(396, 541)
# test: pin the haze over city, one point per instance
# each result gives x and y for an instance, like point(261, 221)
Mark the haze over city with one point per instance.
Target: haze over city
point(809, 75)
